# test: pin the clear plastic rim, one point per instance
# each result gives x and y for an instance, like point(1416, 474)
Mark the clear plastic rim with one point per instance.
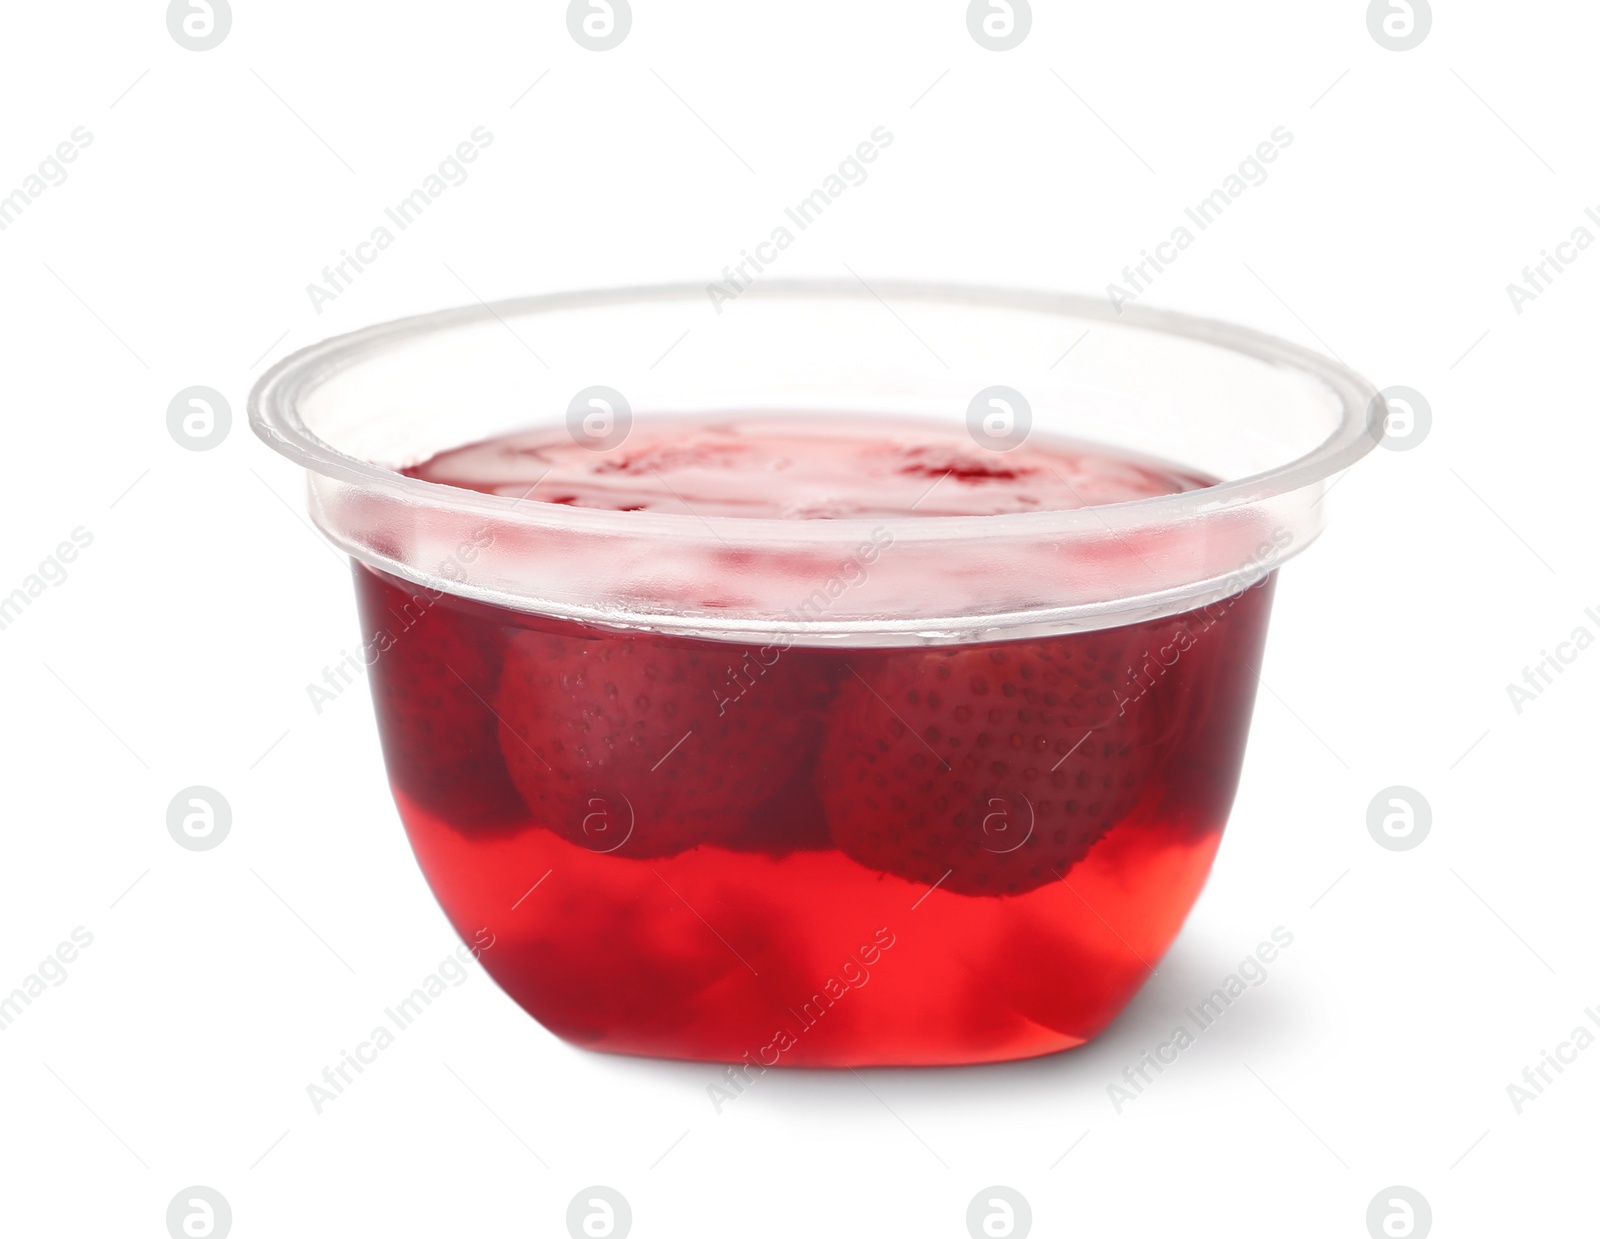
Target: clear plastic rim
point(275, 418)
point(274, 413)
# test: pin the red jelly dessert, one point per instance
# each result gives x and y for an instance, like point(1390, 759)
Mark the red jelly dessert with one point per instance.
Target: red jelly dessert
point(787, 850)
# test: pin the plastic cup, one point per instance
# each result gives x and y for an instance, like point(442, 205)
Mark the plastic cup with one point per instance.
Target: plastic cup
point(946, 786)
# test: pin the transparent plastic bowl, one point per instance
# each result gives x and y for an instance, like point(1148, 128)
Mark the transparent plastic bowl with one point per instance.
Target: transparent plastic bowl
point(976, 768)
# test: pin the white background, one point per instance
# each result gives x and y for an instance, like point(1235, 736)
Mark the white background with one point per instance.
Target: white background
point(177, 651)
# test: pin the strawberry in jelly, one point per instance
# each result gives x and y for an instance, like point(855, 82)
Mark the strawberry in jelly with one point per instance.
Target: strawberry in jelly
point(910, 854)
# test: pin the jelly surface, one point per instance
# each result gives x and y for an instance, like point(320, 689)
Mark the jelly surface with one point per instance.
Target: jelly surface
point(802, 468)
point(793, 855)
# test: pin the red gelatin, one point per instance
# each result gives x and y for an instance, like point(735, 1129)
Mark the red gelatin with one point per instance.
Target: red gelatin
point(792, 854)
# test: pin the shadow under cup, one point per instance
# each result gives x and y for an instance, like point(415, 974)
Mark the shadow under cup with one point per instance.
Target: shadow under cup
point(909, 790)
